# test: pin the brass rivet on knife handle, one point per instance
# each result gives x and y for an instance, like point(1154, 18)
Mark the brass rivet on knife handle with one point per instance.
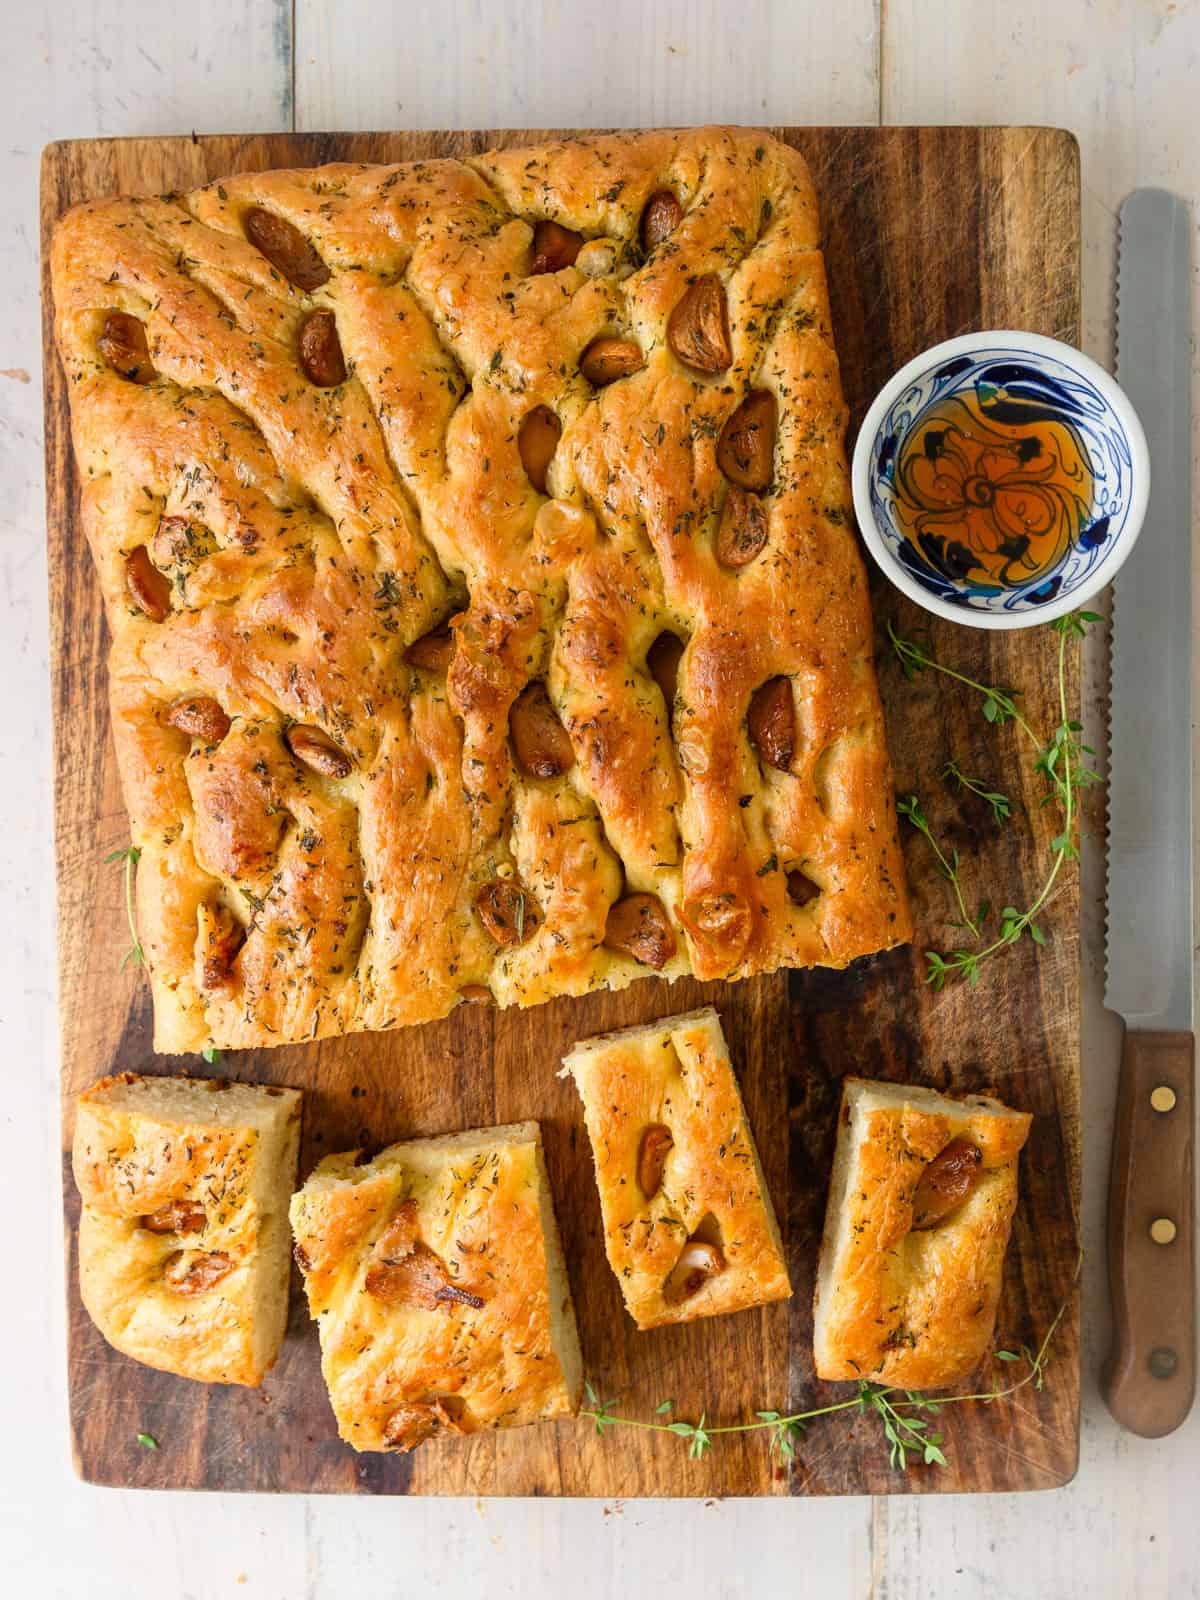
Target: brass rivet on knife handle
point(1163, 1363)
point(1149, 1379)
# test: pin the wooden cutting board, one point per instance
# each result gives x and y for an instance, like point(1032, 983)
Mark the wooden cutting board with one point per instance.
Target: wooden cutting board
point(930, 232)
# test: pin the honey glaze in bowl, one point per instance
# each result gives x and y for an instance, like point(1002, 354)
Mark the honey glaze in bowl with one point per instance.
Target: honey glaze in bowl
point(1001, 479)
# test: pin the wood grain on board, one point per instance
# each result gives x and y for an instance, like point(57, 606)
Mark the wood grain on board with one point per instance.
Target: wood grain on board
point(930, 232)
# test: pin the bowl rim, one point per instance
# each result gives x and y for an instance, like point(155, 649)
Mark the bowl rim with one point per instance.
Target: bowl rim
point(1037, 344)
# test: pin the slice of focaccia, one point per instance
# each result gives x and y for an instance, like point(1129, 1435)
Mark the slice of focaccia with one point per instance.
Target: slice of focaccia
point(688, 1223)
point(183, 1239)
point(920, 1206)
point(436, 1276)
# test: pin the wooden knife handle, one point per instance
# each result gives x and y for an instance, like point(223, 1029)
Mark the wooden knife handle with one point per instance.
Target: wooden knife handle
point(1150, 1376)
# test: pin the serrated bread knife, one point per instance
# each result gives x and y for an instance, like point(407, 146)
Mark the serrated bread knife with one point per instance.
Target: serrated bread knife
point(1150, 1376)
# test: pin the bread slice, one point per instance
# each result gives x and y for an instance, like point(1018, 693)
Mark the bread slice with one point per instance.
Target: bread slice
point(436, 1274)
point(906, 1304)
point(183, 1239)
point(688, 1223)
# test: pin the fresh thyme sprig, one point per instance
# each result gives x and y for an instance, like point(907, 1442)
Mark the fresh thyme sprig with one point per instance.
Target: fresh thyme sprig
point(130, 856)
point(899, 1411)
point(1060, 761)
point(910, 807)
point(1000, 804)
point(904, 1431)
point(999, 705)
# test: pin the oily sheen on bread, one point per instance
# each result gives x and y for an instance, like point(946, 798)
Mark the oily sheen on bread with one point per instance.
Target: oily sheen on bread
point(688, 1222)
point(183, 1237)
point(487, 619)
point(436, 1276)
point(920, 1206)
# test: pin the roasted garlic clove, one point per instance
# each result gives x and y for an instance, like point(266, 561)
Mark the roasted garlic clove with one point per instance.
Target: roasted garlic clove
point(190, 1274)
point(476, 994)
point(554, 247)
point(433, 652)
point(404, 1271)
point(946, 1183)
point(313, 748)
point(746, 446)
point(200, 717)
point(656, 1142)
point(698, 328)
point(177, 1216)
point(508, 911)
point(412, 1424)
point(149, 590)
point(638, 926)
point(286, 248)
point(606, 359)
point(321, 356)
point(661, 215)
point(698, 1262)
point(772, 722)
point(221, 937)
point(122, 343)
point(541, 743)
point(743, 529)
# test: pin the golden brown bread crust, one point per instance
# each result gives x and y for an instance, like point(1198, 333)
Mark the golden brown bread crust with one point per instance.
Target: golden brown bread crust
point(307, 533)
point(898, 1305)
point(676, 1075)
point(498, 1348)
point(183, 1241)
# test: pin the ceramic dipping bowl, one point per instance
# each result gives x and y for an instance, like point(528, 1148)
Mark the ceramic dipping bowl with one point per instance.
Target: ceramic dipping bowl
point(1000, 479)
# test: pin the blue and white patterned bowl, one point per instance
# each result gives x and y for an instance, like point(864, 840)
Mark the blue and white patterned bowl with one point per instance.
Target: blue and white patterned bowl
point(1014, 376)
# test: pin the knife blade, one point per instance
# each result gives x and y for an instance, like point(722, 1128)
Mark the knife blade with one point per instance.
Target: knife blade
point(1149, 1378)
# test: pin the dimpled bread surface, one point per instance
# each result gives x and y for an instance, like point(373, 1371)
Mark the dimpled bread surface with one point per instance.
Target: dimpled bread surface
point(184, 1249)
point(609, 456)
point(436, 1276)
point(674, 1078)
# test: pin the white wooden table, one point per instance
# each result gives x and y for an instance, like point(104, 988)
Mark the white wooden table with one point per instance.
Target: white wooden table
point(1124, 75)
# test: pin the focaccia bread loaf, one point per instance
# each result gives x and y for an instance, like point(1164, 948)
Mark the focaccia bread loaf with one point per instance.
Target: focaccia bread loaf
point(183, 1237)
point(475, 538)
point(920, 1206)
point(436, 1276)
point(688, 1222)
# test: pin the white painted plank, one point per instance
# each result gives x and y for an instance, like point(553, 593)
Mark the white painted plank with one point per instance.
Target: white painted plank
point(147, 66)
point(592, 1550)
point(593, 63)
point(1120, 74)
